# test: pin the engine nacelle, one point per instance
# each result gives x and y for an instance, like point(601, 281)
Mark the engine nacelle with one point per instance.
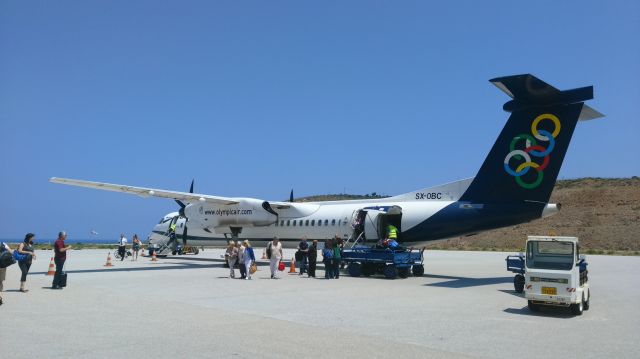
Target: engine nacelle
point(248, 212)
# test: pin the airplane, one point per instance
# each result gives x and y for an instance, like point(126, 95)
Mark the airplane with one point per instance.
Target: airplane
point(513, 186)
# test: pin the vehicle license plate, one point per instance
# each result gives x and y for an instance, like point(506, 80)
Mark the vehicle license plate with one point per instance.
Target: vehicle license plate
point(549, 290)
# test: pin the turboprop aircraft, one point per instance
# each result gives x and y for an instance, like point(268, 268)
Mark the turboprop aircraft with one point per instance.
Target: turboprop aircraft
point(513, 186)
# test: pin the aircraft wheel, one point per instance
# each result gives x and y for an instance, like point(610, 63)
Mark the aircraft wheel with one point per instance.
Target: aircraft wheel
point(418, 270)
point(403, 272)
point(518, 283)
point(390, 271)
point(355, 270)
point(533, 306)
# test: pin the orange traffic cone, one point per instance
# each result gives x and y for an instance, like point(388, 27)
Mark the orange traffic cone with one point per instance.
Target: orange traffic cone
point(264, 254)
point(108, 264)
point(153, 257)
point(292, 268)
point(52, 269)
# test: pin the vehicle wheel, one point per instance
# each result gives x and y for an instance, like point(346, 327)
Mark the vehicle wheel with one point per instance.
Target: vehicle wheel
point(576, 309)
point(403, 272)
point(586, 303)
point(533, 306)
point(518, 283)
point(418, 270)
point(354, 269)
point(368, 269)
point(390, 271)
point(173, 253)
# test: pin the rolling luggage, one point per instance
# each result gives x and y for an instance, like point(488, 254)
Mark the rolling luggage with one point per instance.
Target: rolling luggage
point(63, 279)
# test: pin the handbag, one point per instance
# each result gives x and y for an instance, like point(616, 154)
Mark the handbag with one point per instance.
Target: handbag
point(281, 266)
point(19, 256)
point(253, 268)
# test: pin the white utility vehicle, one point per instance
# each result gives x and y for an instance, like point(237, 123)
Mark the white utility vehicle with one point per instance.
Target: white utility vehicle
point(556, 274)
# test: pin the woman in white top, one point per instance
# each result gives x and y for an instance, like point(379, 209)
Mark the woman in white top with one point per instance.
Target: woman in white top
point(274, 252)
point(232, 257)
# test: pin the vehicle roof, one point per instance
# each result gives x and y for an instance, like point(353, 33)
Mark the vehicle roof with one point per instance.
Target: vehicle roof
point(552, 238)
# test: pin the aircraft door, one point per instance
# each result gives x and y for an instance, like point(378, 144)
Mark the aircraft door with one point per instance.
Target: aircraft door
point(393, 216)
point(370, 227)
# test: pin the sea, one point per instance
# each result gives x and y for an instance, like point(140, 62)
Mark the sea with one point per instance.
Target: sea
point(69, 241)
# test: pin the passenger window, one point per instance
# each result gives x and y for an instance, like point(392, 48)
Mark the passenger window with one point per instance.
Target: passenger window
point(313, 222)
point(319, 222)
point(294, 222)
point(288, 222)
point(333, 222)
point(306, 223)
point(326, 222)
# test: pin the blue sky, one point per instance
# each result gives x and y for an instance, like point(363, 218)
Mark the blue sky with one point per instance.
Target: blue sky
point(253, 98)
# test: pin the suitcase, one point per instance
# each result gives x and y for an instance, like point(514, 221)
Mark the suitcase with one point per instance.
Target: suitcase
point(63, 280)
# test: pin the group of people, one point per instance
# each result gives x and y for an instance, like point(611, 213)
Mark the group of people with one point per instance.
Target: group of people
point(331, 257)
point(25, 254)
point(307, 257)
point(136, 246)
point(242, 254)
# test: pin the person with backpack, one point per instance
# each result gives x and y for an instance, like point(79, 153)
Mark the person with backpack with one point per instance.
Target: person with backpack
point(313, 255)
point(6, 256)
point(274, 253)
point(302, 255)
point(327, 259)
point(25, 249)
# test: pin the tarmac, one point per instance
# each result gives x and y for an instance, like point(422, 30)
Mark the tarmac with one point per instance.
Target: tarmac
point(187, 306)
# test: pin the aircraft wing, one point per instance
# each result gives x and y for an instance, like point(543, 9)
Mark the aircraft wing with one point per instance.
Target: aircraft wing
point(145, 192)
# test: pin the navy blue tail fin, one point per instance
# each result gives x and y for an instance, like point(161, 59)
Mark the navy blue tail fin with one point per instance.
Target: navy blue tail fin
point(524, 162)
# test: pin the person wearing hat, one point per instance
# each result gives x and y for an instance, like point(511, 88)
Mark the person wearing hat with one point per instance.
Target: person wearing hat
point(274, 252)
point(249, 258)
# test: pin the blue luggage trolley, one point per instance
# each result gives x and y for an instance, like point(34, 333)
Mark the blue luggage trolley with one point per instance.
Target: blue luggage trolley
point(515, 264)
point(392, 263)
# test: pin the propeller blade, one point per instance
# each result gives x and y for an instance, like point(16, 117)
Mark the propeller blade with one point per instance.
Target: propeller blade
point(179, 202)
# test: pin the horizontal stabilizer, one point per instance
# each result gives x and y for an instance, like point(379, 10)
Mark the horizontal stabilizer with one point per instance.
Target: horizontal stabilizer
point(528, 91)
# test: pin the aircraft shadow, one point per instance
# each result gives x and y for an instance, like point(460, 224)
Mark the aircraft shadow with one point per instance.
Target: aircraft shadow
point(551, 312)
point(141, 269)
point(464, 282)
point(219, 263)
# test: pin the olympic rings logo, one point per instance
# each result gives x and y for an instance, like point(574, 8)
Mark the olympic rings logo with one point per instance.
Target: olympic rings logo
point(532, 149)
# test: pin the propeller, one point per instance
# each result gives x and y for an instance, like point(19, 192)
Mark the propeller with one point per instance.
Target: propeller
point(181, 214)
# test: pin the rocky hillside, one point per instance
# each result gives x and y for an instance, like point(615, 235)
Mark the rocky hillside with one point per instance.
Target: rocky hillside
point(603, 213)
